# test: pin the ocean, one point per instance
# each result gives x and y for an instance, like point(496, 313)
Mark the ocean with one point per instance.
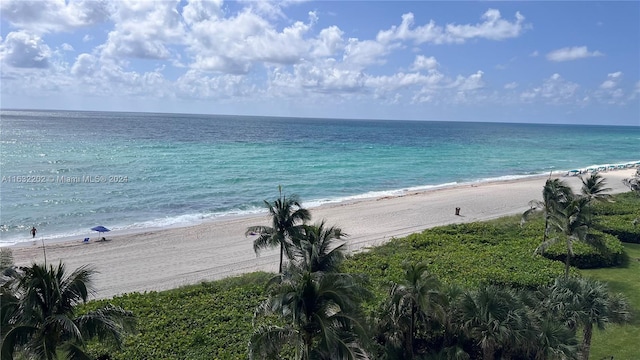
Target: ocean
point(65, 172)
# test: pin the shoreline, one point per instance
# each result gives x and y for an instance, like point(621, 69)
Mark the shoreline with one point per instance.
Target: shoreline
point(312, 204)
point(139, 227)
point(166, 258)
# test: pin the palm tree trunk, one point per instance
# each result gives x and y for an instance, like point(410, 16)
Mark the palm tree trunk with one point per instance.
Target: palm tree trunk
point(546, 228)
point(281, 256)
point(409, 344)
point(586, 342)
point(308, 342)
point(566, 261)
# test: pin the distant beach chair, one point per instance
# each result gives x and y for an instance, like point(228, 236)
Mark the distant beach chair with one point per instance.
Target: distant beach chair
point(86, 240)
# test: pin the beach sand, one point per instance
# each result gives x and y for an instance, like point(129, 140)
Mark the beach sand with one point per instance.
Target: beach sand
point(169, 258)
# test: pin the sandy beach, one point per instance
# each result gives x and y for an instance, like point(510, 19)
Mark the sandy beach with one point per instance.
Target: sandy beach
point(169, 258)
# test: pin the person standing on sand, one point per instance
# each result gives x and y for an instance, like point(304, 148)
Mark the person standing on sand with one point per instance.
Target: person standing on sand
point(33, 232)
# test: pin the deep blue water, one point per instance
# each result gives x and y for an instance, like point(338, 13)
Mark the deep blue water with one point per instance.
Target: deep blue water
point(65, 172)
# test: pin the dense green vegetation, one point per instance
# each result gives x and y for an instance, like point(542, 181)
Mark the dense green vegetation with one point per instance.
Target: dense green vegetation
point(428, 290)
point(620, 218)
point(206, 321)
point(40, 318)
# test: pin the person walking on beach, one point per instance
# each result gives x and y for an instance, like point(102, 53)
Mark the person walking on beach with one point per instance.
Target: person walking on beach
point(33, 232)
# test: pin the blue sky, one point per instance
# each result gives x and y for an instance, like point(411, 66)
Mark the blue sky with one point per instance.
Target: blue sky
point(571, 62)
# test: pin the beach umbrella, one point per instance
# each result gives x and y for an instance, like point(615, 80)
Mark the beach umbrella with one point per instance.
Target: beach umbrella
point(101, 229)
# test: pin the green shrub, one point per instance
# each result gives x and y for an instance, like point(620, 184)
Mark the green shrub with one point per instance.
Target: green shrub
point(610, 252)
point(623, 204)
point(624, 227)
point(205, 321)
point(498, 251)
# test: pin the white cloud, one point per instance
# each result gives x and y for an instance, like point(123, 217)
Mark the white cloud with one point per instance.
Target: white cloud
point(612, 80)
point(234, 44)
point(400, 80)
point(610, 91)
point(254, 53)
point(144, 30)
point(473, 82)
point(85, 65)
point(24, 50)
point(198, 11)
point(493, 28)
point(554, 90)
point(328, 43)
point(326, 76)
point(364, 53)
point(511, 85)
point(198, 85)
point(424, 63)
point(572, 53)
point(41, 17)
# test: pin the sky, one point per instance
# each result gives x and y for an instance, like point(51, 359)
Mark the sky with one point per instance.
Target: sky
point(570, 62)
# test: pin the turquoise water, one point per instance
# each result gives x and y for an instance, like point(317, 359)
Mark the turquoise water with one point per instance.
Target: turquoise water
point(65, 172)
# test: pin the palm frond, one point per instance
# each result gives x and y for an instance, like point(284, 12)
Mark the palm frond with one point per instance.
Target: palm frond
point(14, 337)
point(76, 352)
point(108, 324)
point(267, 341)
point(542, 248)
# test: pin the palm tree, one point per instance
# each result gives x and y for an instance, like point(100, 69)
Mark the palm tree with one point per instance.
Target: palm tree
point(321, 312)
point(454, 340)
point(546, 338)
point(315, 247)
point(320, 306)
point(492, 317)
point(285, 214)
point(571, 221)
point(412, 304)
point(553, 340)
point(594, 188)
point(43, 322)
point(584, 303)
point(555, 193)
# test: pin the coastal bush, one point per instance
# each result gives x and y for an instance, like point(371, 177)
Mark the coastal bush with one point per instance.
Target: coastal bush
point(620, 218)
point(609, 253)
point(624, 227)
point(496, 252)
point(211, 320)
point(623, 204)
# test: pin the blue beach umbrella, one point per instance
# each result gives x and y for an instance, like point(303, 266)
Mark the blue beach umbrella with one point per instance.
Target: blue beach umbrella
point(101, 229)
